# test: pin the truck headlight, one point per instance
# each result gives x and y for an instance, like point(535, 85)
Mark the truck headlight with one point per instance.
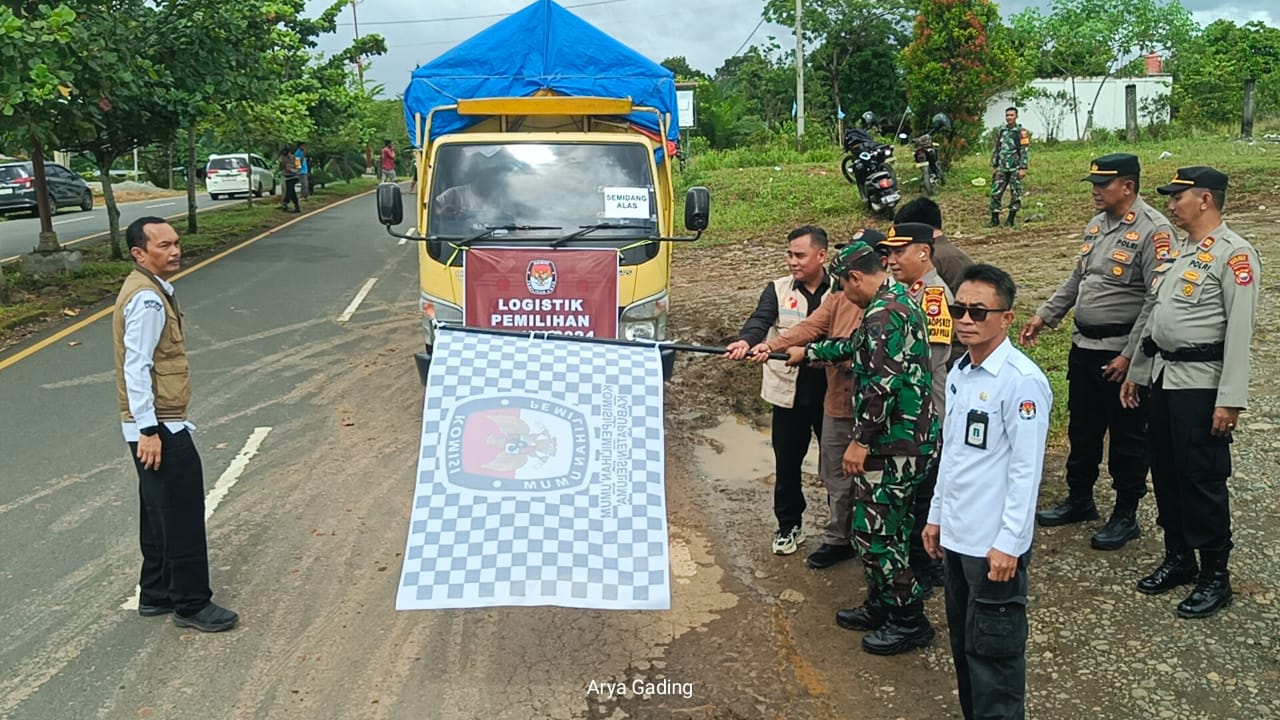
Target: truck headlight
point(435, 310)
point(646, 320)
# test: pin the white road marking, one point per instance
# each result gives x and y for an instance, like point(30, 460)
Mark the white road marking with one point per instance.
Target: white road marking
point(413, 232)
point(355, 302)
point(159, 205)
point(71, 220)
point(220, 489)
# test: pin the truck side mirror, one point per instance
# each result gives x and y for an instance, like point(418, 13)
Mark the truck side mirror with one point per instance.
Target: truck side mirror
point(697, 209)
point(390, 206)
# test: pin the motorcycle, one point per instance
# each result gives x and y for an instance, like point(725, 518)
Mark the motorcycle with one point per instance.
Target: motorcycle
point(867, 164)
point(925, 155)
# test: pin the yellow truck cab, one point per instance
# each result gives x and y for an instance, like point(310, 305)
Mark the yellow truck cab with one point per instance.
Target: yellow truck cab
point(542, 135)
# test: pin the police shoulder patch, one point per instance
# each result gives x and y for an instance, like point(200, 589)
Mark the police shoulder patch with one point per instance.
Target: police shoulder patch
point(1241, 268)
point(1024, 137)
point(1095, 229)
point(915, 287)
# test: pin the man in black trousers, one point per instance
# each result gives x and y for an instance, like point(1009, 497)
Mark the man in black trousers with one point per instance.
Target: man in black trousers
point(154, 390)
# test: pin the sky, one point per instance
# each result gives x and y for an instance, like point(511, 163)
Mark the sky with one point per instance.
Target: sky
point(705, 32)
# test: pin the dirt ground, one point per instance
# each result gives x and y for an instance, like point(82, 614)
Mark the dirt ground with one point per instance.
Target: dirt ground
point(1098, 648)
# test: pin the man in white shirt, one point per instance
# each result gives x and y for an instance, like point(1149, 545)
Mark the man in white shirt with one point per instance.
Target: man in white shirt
point(153, 390)
point(983, 510)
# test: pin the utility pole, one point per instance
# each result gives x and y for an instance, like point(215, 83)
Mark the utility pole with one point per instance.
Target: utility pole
point(799, 72)
point(359, 58)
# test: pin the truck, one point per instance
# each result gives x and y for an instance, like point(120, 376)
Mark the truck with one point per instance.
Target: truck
point(544, 196)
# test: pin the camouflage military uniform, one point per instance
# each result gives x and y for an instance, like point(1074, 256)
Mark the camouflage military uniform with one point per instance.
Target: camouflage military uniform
point(1008, 157)
point(894, 419)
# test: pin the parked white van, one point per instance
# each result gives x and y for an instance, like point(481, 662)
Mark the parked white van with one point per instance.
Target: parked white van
point(238, 174)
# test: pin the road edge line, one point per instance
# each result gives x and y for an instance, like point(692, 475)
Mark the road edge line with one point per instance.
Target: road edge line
point(82, 324)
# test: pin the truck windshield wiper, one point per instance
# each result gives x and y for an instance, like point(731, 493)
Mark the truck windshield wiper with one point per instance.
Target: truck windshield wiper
point(585, 230)
point(489, 230)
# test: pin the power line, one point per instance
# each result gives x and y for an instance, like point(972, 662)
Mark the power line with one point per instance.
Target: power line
point(477, 17)
point(753, 33)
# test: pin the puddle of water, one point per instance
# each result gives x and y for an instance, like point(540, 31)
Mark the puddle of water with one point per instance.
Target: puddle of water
point(747, 454)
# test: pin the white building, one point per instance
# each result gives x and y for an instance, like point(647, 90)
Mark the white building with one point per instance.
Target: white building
point(1049, 115)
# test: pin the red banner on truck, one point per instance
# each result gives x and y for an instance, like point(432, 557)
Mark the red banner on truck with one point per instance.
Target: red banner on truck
point(568, 292)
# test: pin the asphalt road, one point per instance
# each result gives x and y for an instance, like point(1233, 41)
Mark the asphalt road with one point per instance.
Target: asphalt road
point(19, 234)
point(264, 340)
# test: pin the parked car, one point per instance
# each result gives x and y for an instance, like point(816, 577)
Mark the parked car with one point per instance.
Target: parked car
point(238, 174)
point(18, 187)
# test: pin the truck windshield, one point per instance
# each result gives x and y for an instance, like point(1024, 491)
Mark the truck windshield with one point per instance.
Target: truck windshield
point(561, 185)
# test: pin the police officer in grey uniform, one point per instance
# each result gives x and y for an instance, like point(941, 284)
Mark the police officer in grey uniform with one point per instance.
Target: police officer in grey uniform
point(1123, 243)
point(1195, 359)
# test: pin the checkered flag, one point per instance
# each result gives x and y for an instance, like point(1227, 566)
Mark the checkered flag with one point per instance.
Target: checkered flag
point(540, 480)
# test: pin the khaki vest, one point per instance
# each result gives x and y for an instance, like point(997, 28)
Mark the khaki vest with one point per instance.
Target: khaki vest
point(778, 385)
point(170, 375)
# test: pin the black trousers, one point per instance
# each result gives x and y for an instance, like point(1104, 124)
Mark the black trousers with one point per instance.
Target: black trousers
point(290, 193)
point(1095, 410)
point(1189, 470)
point(790, 434)
point(175, 557)
point(918, 558)
point(988, 627)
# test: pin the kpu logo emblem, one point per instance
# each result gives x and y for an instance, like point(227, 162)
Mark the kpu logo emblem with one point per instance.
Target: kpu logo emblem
point(541, 277)
point(516, 445)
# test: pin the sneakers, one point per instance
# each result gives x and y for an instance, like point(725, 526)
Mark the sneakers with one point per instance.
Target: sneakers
point(211, 618)
point(786, 543)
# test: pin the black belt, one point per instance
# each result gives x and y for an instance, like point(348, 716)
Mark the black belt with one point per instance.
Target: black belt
point(1195, 353)
point(1101, 332)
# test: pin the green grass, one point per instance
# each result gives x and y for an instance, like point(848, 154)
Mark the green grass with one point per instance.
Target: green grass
point(34, 299)
point(760, 194)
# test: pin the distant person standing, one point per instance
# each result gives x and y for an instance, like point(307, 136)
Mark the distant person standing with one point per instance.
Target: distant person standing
point(304, 171)
point(388, 162)
point(1009, 166)
point(289, 172)
point(153, 387)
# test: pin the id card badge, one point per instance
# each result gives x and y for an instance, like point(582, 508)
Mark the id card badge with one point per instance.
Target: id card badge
point(976, 430)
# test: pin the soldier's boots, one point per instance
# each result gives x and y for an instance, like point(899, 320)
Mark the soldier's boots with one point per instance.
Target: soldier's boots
point(869, 616)
point(1012, 215)
point(995, 220)
point(907, 628)
point(1179, 568)
point(1120, 529)
point(1072, 510)
point(1213, 589)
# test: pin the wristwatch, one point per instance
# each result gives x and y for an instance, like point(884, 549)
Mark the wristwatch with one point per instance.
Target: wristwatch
point(149, 431)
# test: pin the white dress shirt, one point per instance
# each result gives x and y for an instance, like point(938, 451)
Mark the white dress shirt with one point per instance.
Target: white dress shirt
point(143, 322)
point(994, 433)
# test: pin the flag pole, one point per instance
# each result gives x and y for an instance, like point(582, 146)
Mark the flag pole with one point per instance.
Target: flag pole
point(660, 344)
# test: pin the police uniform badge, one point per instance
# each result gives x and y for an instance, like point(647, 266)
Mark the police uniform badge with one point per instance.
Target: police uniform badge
point(1163, 244)
point(1205, 257)
point(1117, 270)
point(1188, 290)
point(1207, 243)
point(1128, 218)
point(1095, 229)
point(1241, 268)
point(1085, 248)
point(938, 316)
point(1131, 235)
point(915, 288)
point(1121, 256)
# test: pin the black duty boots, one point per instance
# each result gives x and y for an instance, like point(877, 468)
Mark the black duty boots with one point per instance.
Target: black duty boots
point(1179, 568)
point(907, 628)
point(1213, 588)
point(1012, 215)
point(1120, 529)
point(995, 220)
point(1072, 510)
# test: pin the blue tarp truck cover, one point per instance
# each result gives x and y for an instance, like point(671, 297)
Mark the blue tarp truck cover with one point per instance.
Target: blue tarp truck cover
point(540, 47)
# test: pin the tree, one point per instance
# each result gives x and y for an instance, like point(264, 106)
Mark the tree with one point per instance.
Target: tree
point(1210, 71)
point(842, 31)
point(1082, 38)
point(683, 71)
point(958, 57)
point(38, 43)
point(764, 81)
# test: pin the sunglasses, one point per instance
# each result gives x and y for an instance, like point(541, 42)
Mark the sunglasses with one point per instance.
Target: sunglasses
point(978, 314)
